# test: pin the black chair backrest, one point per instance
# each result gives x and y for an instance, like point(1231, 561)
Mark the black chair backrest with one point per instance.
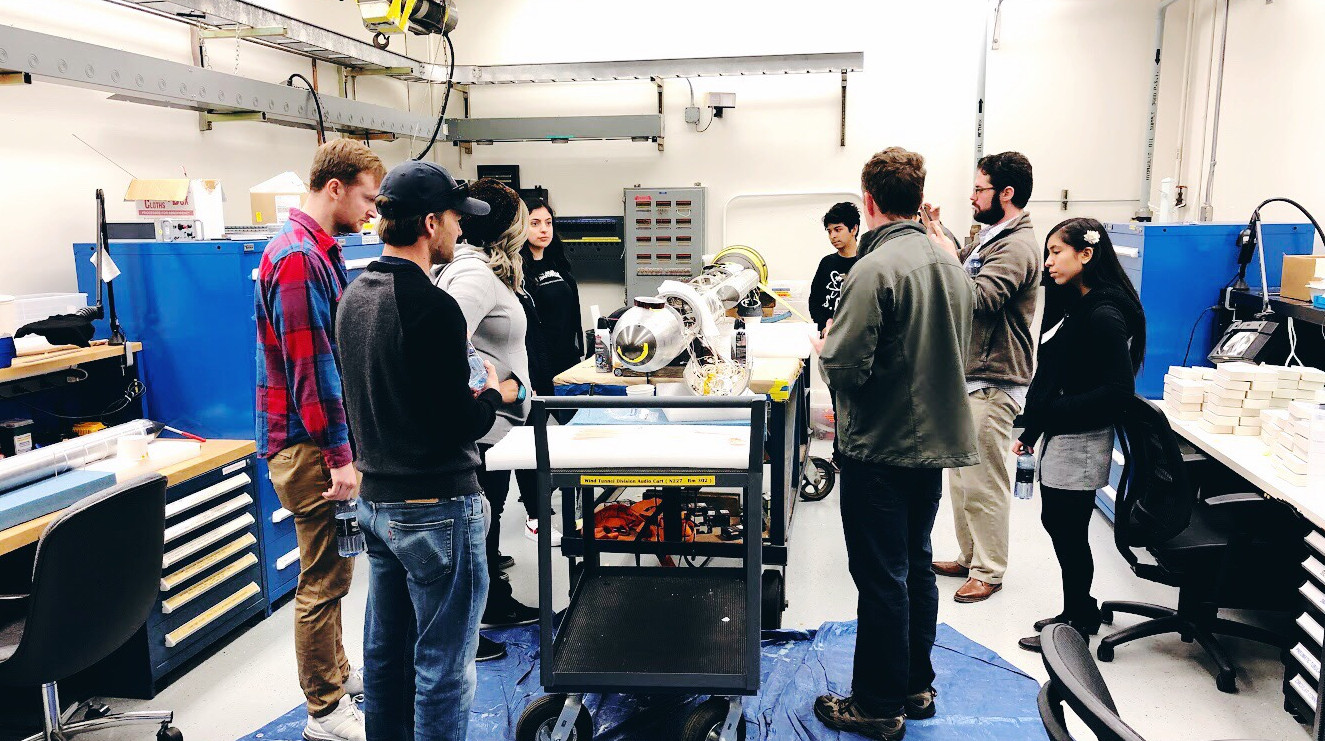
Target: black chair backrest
point(97, 575)
point(1075, 679)
point(1155, 500)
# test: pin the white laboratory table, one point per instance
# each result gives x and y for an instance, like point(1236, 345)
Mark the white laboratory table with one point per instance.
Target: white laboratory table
point(1250, 458)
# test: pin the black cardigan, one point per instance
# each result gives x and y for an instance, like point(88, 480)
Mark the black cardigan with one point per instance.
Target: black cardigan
point(1085, 374)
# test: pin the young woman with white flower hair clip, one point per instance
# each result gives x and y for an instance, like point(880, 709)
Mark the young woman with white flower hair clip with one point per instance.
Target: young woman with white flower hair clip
point(1086, 373)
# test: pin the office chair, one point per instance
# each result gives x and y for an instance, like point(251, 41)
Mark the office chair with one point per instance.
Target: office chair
point(97, 575)
point(1075, 679)
point(1236, 550)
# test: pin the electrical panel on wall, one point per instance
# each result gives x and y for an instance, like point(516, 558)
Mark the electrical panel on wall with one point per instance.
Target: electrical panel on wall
point(664, 237)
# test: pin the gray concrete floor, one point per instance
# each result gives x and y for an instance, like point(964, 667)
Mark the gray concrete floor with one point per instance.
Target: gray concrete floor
point(1163, 687)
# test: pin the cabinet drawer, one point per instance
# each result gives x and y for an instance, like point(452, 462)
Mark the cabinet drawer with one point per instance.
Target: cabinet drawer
point(200, 602)
point(240, 482)
point(1315, 569)
point(196, 568)
point(165, 642)
point(202, 481)
point(200, 543)
point(203, 592)
point(277, 526)
point(208, 516)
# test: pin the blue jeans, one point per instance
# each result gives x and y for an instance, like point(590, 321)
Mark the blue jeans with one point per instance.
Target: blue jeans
point(428, 582)
point(887, 515)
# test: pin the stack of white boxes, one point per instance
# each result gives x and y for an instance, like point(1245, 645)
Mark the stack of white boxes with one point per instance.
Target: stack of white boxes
point(1184, 391)
point(1298, 383)
point(1299, 446)
point(1233, 402)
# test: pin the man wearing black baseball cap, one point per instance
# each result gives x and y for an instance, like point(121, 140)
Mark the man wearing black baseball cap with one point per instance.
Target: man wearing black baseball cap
point(405, 361)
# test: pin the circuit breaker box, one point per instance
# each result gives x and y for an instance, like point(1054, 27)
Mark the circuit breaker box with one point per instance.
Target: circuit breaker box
point(664, 236)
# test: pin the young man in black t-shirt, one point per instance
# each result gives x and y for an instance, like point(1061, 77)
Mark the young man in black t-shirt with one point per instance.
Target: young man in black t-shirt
point(842, 222)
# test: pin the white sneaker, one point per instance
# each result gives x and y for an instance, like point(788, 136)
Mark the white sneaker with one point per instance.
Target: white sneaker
point(531, 532)
point(345, 723)
point(354, 684)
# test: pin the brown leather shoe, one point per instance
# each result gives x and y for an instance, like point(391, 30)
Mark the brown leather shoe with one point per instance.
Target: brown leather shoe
point(975, 590)
point(950, 568)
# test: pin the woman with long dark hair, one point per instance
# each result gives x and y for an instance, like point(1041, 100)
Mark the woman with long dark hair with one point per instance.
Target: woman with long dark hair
point(555, 341)
point(1087, 368)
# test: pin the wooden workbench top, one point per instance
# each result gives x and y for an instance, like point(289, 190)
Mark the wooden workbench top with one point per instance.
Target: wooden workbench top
point(215, 453)
point(29, 366)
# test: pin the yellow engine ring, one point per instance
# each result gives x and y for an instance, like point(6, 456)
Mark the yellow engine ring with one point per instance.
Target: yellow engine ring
point(746, 256)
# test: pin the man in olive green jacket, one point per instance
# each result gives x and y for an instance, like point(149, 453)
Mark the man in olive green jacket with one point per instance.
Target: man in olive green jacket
point(895, 358)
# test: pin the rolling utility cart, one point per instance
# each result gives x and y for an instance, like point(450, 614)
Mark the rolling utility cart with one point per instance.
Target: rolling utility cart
point(642, 629)
point(794, 475)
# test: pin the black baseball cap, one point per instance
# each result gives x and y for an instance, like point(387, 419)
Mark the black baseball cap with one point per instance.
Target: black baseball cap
point(416, 188)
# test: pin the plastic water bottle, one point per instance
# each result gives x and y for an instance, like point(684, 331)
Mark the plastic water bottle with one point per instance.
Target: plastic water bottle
point(478, 373)
point(740, 343)
point(349, 538)
point(1025, 487)
point(602, 347)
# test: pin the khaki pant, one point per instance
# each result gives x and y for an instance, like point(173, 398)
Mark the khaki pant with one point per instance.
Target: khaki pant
point(300, 476)
point(982, 494)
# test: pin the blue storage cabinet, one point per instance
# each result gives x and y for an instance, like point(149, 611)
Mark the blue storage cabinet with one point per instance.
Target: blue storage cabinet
point(191, 304)
point(1179, 270)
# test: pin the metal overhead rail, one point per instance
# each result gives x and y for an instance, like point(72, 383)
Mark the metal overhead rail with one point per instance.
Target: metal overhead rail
point(644, 69)
point(231, 18)
point(143, 79)
point(647, 127)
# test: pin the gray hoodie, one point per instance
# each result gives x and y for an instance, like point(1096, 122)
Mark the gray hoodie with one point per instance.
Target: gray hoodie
point(497, 325)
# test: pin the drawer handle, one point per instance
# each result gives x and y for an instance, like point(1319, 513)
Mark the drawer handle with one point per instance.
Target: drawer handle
point(281, 515)
point(284, 562)
point(1311, 628)
point(211, 515)
point(184, 504)
point(1317, 542)
point(171, 581)
point(1307, 660)
point(1300, 686)
point(214, 613)
point(1313, 595)
point(197, 544)
point(1132, 252)
point(208, 584)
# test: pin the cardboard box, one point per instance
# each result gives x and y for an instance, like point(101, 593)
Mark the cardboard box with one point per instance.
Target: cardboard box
point(1299, 270)
point(272, 200)
point(181, 199)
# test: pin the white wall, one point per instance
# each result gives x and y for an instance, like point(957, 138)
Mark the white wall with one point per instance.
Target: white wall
point(1068, 86)
point(50, 178)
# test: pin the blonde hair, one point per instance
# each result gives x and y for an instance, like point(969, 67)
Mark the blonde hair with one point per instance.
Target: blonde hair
point(504, 252)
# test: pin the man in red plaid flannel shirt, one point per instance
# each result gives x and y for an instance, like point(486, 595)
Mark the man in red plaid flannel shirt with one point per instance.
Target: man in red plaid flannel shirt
point(301, 425)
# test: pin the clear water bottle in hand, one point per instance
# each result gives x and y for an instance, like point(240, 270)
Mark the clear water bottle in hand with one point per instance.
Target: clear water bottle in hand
point(1025, 486)
point(349, 538)
point(478, 373)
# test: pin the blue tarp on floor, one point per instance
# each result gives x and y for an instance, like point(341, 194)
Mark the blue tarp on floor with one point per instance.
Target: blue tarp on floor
point(981, 697)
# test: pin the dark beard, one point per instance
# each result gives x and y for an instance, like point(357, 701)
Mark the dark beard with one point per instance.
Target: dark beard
point(992, 215)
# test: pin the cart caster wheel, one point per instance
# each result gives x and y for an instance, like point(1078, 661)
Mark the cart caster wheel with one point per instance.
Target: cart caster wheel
point(96, 710)
point(1106, 616)
point(773, 600)
point(169, 733)
point(705, 722)
point(1226, 682)
point(538, 720)
point(1104, 652)
point(817, 485)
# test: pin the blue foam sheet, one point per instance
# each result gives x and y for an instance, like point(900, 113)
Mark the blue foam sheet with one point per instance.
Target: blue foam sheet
point(50, 495)
point(981, 696)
